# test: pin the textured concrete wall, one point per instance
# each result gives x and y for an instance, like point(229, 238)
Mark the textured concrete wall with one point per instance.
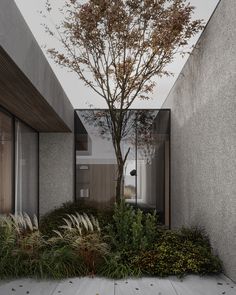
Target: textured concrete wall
point(203, 151)
point(18, 41)
point(56, 169)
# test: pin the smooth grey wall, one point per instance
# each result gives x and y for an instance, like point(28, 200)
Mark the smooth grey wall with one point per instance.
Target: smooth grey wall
point(56, 170)
point(20, 44)
point(203, 151)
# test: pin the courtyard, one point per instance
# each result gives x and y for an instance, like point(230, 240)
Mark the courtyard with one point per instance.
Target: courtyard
point(172, 159)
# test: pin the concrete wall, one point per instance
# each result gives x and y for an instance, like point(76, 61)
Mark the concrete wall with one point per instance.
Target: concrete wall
point(56, 170)
point(18, 41)
point(56, 150)
point(203, 151)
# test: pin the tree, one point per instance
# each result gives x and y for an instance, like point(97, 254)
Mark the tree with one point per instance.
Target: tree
point(118, 47)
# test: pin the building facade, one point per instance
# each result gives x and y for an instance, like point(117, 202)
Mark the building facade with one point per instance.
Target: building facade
point(203, 142)
point(36, 123)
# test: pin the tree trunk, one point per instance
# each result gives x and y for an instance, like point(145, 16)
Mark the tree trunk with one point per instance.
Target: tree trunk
point(121, 160)
point(120, 169)
point(119, 183)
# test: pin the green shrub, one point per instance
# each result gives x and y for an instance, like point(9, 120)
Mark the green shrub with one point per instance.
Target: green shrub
point(8, 241)
point(131, 229)
point(178, 253)
point(131, 245)
point(196, 235)
point(119, 265)
point(60, 261)
point(54, 219)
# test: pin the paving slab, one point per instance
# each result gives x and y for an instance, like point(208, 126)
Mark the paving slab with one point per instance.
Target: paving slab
point(27, 286)
point(190, 285)
point(144, 286)
point(85, 286)
point(210, 285)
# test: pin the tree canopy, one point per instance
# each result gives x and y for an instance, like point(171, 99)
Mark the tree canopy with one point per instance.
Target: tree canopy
point(118, 48)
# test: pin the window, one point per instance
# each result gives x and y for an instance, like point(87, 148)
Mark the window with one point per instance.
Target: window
point(18, 166)
point(6, 163)
point(26, 168)
point(146, 177)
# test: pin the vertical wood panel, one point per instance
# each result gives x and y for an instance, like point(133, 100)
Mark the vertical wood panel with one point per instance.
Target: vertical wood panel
point(101, 181)
point(19, 96)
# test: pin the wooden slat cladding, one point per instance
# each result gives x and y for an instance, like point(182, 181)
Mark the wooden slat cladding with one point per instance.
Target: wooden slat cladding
point(100, 180)
point(20, 97)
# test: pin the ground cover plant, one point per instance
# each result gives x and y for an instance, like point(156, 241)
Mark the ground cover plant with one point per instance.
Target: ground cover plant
point(130, 243)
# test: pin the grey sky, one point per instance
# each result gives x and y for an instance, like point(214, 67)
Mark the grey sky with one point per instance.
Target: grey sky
point(81, 96)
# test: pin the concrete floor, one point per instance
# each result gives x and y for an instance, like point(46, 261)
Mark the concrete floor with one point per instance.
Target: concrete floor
point(191, 285)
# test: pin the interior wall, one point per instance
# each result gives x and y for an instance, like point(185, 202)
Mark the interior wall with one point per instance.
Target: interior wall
point(100, 180)
point(203, 141)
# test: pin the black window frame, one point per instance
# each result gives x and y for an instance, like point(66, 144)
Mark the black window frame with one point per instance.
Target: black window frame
point(170, 136)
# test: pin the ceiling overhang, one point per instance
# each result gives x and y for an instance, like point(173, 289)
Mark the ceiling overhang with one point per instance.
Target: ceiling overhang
point(20, 97)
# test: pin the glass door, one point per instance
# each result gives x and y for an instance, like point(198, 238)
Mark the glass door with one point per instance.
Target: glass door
point(6, 163)
point(153, 164)
point(26, 169)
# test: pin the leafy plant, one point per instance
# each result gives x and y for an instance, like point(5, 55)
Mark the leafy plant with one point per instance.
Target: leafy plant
point(131, 229)
point(135, 246)
point(178, 253)
point(59, 261)
point(119, 265)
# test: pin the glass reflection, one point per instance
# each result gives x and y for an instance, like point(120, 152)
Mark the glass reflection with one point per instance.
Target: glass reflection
point(6, 163)
point(145, 140)
point(26, 167)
